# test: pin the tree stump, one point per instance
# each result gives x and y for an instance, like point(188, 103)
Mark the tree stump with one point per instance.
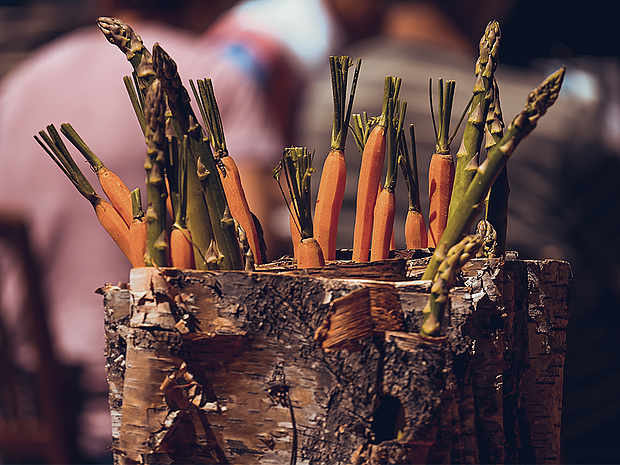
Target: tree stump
point(326, 366)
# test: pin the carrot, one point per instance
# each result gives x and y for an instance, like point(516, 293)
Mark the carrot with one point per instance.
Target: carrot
point(137, 231)
point(228, 171)
point(415, 230)
point(296, 163)
point(383, 225)
point(369, 181)
point(309, 254)
point(415, 226)
point(295, 234)
point(113, 186)
point(383, 221)
point(441, 169)
point(181, 245)
point(334, 176)
point(181, 249)
point(114, 225)
point(239, 208)
point(107, 215)
point(440, 179)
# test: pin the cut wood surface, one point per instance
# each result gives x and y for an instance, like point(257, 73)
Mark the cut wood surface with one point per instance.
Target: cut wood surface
point(282, 366)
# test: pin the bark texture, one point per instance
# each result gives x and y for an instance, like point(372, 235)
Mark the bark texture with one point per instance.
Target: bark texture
point(280, 366)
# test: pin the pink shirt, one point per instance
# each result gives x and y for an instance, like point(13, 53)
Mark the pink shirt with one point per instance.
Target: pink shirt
point(78, 79)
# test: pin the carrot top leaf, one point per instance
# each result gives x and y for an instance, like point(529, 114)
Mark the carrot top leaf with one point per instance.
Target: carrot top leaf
point(339, 68)
point(296, 164)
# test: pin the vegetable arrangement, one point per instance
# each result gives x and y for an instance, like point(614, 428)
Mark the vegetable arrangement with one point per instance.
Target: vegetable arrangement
point(197, 214)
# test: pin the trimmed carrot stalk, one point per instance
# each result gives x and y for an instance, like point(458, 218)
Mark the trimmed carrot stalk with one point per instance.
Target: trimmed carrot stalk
point(369, 183)
point(295, 233)
point(383, 221)
point(113, 186)
point(181, 249)
point(107, 215)
point(137, 231)
point(440, 179)
point(415, 230)
point(383, 225)
point(334, 174)
point(310, 254)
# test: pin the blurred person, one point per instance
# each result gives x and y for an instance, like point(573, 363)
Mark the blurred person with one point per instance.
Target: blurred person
point(563, 199)
point(77, 78)
point(276, 47)
point(421, 41)
point(259, 56)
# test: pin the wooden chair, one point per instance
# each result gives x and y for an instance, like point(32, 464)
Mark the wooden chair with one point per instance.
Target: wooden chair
point(34, 431)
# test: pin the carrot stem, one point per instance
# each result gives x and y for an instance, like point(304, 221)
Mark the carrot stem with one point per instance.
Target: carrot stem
point(113, 186)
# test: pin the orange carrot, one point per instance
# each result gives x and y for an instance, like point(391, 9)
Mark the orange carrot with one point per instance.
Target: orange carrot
point(113, 186)
point(383, 221)
point(182, 253)
point(415, 227)
point(114, 224)
point(415, 230)
point(229, 173)
point(440, 179)
point(310, 254)
point(329, 202)
point(181, 249)
point(441, 169)
point(169, 208)
point(333, 176)
point(107, 215)
point(296, 163)
point(368, 185)
point(383, 225)
point(295, 232)
point(238, 204)
point(137, 231)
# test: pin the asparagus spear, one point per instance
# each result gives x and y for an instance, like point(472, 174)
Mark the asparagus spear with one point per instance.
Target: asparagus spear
point(136, 103)
point(184, 122)
point(467, 155)
point(123, 36)
point(489, 239)
point(497, 200)
point(538, 101)
point(156, 194)
point(456, 257)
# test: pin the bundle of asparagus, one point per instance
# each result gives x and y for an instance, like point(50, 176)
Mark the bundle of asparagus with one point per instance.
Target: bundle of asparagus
point(196, 211)
point(197, 214)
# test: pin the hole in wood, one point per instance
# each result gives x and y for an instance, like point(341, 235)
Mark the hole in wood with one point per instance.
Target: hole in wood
point(389, 419)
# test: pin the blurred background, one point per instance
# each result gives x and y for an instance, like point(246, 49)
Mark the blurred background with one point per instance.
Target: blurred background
point(268, 61)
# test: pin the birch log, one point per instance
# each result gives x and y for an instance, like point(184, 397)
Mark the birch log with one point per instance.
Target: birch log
point(306, 367)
